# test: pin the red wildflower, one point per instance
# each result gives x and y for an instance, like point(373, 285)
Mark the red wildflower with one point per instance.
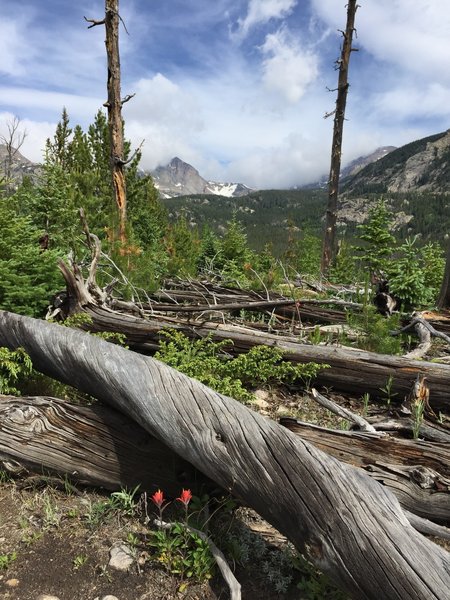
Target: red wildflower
point(185, 497)
point(158, 498)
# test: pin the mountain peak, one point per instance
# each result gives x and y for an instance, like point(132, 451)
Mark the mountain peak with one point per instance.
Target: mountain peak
point(179, 178)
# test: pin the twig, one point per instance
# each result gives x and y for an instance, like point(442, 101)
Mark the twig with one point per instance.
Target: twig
point(343, 412)
point(94, 22)
point(227, 574)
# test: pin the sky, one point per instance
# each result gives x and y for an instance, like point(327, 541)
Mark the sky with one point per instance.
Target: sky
point(237, 88)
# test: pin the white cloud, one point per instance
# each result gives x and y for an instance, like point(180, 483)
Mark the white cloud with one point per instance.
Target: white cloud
point(167, 116)
point(13, 48)
point(411, 36)
point(36, 134)
point(80, 108)
point(428, 101)
point(288, 69)
point(262, 11)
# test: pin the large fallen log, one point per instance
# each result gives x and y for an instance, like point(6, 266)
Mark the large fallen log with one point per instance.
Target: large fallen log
point(347, 524)
point(98, 446)
point(94, 445)
point(351, 370)
point(417, 472)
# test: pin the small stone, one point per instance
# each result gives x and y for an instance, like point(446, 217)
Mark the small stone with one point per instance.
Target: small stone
point(121, 557)
point(47, 597)
point(109, 597)
point(12, 582)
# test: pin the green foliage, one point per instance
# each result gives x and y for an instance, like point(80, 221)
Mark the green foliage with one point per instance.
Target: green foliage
point(125, 500)
point(414, 274)
point(14, 364)
point(205, 360)
point(313, 584)
point(379, 243)
point(182, 552)
point(407, 277)
point(7, 559)
point(433, 265)
point(345, 268)
point(375, 331)
point(28, 276)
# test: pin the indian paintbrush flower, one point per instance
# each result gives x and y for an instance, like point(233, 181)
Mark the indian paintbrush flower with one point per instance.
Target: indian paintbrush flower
point(185, 497)
point(158, 498)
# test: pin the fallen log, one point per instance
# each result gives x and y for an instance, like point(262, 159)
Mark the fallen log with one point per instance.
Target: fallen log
point(417, 472)
point(351, 370)
point(347, 524)
point(94, 445)
point(98, 446)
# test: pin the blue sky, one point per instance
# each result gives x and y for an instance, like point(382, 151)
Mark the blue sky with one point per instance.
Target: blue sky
point(237, 88)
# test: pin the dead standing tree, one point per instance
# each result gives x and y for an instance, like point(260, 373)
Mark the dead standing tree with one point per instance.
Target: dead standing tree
point(346, 523)
point(114, 105)
point(444, 294)
point(329, 241)
point(12, 139)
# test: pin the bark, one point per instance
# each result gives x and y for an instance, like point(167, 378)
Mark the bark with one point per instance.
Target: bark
point(114, 106)
point(98, 446)
point(351, 370)
point(348, 525)
point(93, 445)
point(417, 472)
point(329, 242)
point(444, 293)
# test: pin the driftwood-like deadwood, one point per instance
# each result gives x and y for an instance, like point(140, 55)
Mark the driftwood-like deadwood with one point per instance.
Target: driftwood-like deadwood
point(351, 370)
point(417, 472)
point(348, 525)
point(94, 445)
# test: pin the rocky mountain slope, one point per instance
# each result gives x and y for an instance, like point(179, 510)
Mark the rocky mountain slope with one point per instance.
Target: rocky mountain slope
point(421, 166)
point(20, 166)
point(179, 179)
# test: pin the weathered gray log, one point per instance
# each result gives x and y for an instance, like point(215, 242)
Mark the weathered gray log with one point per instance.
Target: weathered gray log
point(351, 370)
point(417, 472)
point(94, 445)
point(347, 524)
point(98, 446)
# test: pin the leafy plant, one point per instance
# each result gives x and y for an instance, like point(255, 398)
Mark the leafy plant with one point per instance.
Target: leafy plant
point(7, 559)
point(125, 500)
point(206, 361)
point(79, 561)
point(417, 410)
point(313, 584)
point(375, 331)
point(13, 365)
point(177, 547)
point(387, 390)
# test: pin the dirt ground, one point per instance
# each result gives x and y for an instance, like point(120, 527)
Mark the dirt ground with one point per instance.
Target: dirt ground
point(53, 550)
point(56, 541)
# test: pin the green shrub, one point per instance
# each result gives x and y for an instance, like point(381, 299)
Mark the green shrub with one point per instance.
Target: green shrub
point(206, 361)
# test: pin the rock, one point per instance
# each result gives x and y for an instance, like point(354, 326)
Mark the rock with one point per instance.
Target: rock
point(47, 597)
point(12, 582)
point(121, 557)
point(261, 399)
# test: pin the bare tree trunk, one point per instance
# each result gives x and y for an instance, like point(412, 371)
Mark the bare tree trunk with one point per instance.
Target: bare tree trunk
point(347, 524)
point(444, 294)
point(329, 241)
point(114, 106)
